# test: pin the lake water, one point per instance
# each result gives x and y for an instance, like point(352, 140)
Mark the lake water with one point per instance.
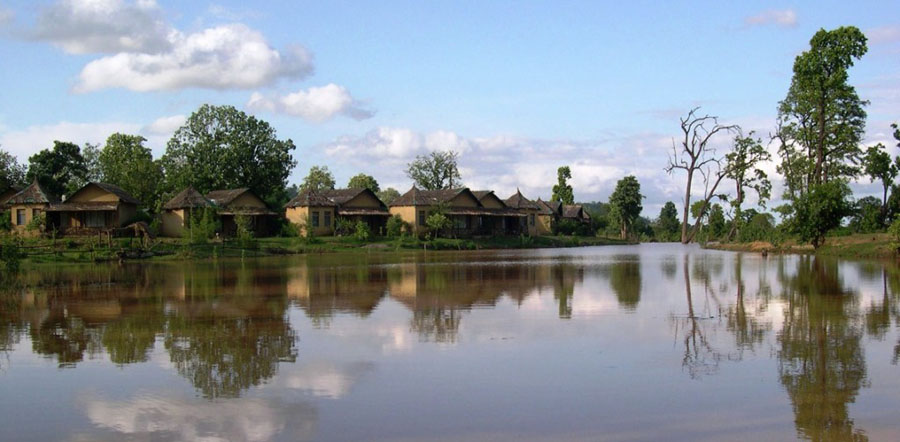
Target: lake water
point(649, 342)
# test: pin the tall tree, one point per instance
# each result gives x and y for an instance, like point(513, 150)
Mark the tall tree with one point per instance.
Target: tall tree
point(127, 163)
point(821, 120)
point(220, 147)
point(319, 178)
point(742, 165)
point(667, 225)
point(61, 170)
point(437, 170)
point(625, 204)
point(562, 191)
point(697, 155)
point(363, 181)
point(388, 195)
point(12, 174)
point(878, 166)
point(91, 154)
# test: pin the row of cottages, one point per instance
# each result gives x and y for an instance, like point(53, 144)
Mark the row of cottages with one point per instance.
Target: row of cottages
point(96, 206)
point(227, 204)
point(471, 213)
point(319, 210)
point(555, 211)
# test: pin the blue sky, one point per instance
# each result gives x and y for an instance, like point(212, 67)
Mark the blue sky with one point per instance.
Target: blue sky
point(519, 88)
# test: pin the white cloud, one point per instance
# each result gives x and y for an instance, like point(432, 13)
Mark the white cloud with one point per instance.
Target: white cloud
point(314, 104)
point(229, 56)
point(165, 125)
point(104, 26)
point(785, 18)
point(323, 378)
point(883, 35)
point(6, 15)
point(26, 142)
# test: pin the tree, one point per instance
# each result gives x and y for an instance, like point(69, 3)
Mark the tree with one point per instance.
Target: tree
point(716, 221)
point(127, 163)
point(878, 166)
point(562, 191)
point(388, 195)
point(742, 167)
point(319, 178)
point(866, 217)
point(220, 147)
point(667, 224)
point(697, 155)
point(12, 174)
point(437, 170)
point(91, 154)
point(363, 181)
point(60, 170)
point(625, 204)
point(821, 120)
point(819, 210)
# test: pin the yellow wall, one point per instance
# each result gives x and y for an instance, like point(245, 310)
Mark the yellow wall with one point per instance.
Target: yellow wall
point(543, 227)
point(409, 214)
point(172, 223)
point(29, 215)
point(303, 216)
point(93, 194)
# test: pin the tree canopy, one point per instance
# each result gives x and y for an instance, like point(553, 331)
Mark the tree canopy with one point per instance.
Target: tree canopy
point(60, 170)
point(562, 191)
point(437, 170)
point(12, 174)
point(667, 225)
point(388, 195)
point(625, 204)
point(363, 181)
point(127, 163)
point(319, 178)
point(220, 147)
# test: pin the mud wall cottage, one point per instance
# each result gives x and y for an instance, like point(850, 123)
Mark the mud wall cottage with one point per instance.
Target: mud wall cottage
point(177, 212)
point(550, 213)
point(576, 212)
point(311, 210)
point(94, 207)
point(232, 203)
point(503, 220)
point(461, 206)
point(527, 224)
point(27, 204)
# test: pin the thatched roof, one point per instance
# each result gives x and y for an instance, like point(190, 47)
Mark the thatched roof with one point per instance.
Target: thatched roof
point(84, 207)
point(225, 197)
point(310, 198)
point(8, 193)
point(546, 208)
point(123, 196)
point(337, 198)
point(416, 197)
point(188, 199)
point(518, 201)
point(33, 194)
point(572, 211)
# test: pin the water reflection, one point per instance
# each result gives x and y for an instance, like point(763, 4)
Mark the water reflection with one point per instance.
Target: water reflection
point(262, 345)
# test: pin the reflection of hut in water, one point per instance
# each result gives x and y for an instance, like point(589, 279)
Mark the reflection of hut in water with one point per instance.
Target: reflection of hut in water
point(323, 291)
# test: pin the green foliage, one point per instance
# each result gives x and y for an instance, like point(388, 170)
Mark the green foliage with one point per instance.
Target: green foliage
point(37, 223)
point(12, 174)
point(820, 210)
point(344, 226)
point(388, 195)
point(760, 227)
point(741, 164)
point(91, 155)
point(879, 167)
point(625, 204)
point(361, 231)
point(319, 178)
point(894, 231)
point(220, 147)
point(564, 227)
point(127, 163)
point(437, 170)
point(201, 227)
point(821, 120)
point(5, 221)
point(437, 223)
point(363, 181)
point(562, 191)
point(716, 222)
point(289, 230)
point(244, 235)
point(11, 253)
point(866, 216)
point(60, 170)
point(396, 226)
point(667, 225)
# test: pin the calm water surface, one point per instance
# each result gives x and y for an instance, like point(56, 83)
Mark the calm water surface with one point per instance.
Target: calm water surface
point(650, 342)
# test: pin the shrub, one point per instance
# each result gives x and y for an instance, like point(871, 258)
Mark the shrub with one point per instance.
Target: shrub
point(5, 221)
point(565, 227)
point(395, 226)
point(437, 223)
point(361, 231)
point(344, 227)
point(759, 228)
point(894, 231)
point(244, 234)
point(201, 228)
point(37, 224)
point(820, 210)
point(10, 253)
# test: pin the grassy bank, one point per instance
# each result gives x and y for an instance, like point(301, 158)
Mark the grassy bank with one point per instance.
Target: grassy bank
point(871, 245)
point(79, 250)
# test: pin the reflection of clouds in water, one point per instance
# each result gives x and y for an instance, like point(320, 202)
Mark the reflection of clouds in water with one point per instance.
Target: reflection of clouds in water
point(323, 378)
point(156, 417)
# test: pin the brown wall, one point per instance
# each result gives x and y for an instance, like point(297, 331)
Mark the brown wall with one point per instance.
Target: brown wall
point(364, 199)
point(93, 194)
point(492, 202)
point(248, 199)
point(173, 222)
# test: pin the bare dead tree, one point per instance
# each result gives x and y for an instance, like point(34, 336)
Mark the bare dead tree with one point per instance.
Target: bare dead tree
point(696, 155)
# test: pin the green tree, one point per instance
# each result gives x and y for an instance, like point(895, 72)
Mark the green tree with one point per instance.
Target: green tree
point(388, 195)
point(716, 222)
point(127, 163)
point(878, 166)
point(437, 222)
point(866, 217)
point(12, 174)
point(819, 210)
point(742, 165)
point(319, 178)
point(363, 181)
point(821, 120)
point(562, 191)
point(437, 170)
point(220, 147)
point(625, 204)
point(91, 154)
point(60, 170)
point(667, 224)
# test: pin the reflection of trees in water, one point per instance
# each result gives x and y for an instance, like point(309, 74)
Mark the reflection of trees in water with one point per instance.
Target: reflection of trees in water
point(564, 277)
point(748, 330)
point(700, 357)
point(821, 360)
point(625, 280)
point(880, 315)
point(438, 325)
point(669, 266)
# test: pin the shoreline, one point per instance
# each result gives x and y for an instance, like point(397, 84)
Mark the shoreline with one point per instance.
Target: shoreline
point(868, 246)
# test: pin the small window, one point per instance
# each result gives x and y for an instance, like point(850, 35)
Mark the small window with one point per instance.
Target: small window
point(20, 217)
point(315, 219)
point(532, 219)
point(459, 222)
point(95, 219)
point(327, 218)
point(421, 217)
point(35, 213)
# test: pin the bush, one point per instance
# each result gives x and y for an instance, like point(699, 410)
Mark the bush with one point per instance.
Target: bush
point(289, 230)
point(820, 210)
point(361, 231)
point(395, 226)
point(201, 228)
point(344, 227)
point(437, 223)
point(564, 227)
point(5, 221)
point(37, 224)
point(894, 231)
point(11, 253)
point(244, 234)
point(760, 228)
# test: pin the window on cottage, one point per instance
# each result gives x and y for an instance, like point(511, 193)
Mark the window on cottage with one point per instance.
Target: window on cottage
point(35, 213)
point(315, 219)
point(20, 217)
point(95, 219)
point(532, 219)
point(327, 218)
point(421, 217)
